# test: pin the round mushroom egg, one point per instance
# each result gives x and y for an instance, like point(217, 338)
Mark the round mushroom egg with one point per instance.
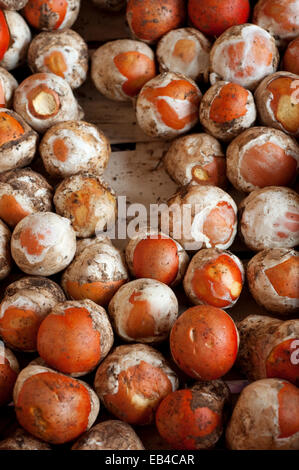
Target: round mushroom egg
point(63, 53)
point(50, 15)
point(8, 85)
point(12, 4)
point(186, 51)
point(43, 243)
point(15, 39)
point(5, 258)
point(290, 61)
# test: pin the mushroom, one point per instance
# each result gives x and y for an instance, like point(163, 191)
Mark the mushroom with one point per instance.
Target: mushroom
point(8, 85)
point(290, 59)
point(5, 258)
point(12, 4)
point(9, 370)
point(48, 16)
point(21, 440)
point(17, 36)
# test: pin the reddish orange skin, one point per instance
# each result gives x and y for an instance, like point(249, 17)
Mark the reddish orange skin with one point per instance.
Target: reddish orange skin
point(286, 112)
point(35, 10)
point(142, 381)
point(137, 68)
point(11, 211)
point(182, 422)
point(4, 35)
point(56, 63)
point(10, 129)
point(213, 17)
point(276, 10)
point(229, 104)
point(2, 97)
point(60, 150)
point(156, 258)
point(53, 407)
point(268, 165)
point(151, 19)
point(216, 282)
point(290, 60)
point(30, 242)
point(100, 292)
point(288, 411)
point(261, 56)
point(177, 89)
point(214, 348)
point(279, 363)
point(219, 224)
point(284, 277)
point(19, 327)
point(214, 173)
point(7, 380)
point(69, 342)
point(140, 323)
point(34, 93)
point(185, 49)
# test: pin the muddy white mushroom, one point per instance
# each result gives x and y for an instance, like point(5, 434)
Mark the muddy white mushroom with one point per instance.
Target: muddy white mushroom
point(96, 273)
point(132, 381)
point(35, 394)
point(72, 147)
point(18, 141)
point(5, 258)
point(22, 440)
point(226, 110)
point(214, 277)
point(261, 157)
point(265, 417)
point(88, 202)
point(48, 16)
point(16, 37)
point(154, 255)
point(12, 4)
point(110, 5)
point(9, 369)
point(63, 53)
point(273, 280)
point(43, 243)
point(109, 435)
point(75, 337)
point(23, 192)
point(277, 102)
point(186, 51)
point(8, 85)
point(167, 105)
point(120, 68)
point(201, 217)
point(26, 303)
point(44, 99)
point(196, 159)
point(269, 218)
point(143, 310)
point(243, 54)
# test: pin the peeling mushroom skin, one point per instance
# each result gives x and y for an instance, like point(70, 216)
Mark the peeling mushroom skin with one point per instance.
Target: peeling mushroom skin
point(243, 54)
point(18, 141)
point(8, 85)
point(185, 51)
point(214, 277)
point(63, 53)
point(193, 418)
point(154, 255)
point(44, 99)
point(120, 68)
point(21, 440)
point(42, 414)
point(96, 273)
point(73, 147)
point(202, 217)
point(269, 348)
point(49, 15)
point(23, 192)
point(261, 157)
point(132, 381)
point(226, 110)
point(196, 159)
point(167, 105)
point(25, 304)
point(75, 337)
point(143, 310)
point(277, 102)
point(5, 258)
point(290, 59)
point(88, 202)
point(149, 20)
point(13, 4)
point(109, 435)
point(279, 17)
point(43, 243)
point(273, 277)
point(269, 218)
point(265, 417)
point(204, 342)
point(20, 37)
point(110, 5)
point(9, 369)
